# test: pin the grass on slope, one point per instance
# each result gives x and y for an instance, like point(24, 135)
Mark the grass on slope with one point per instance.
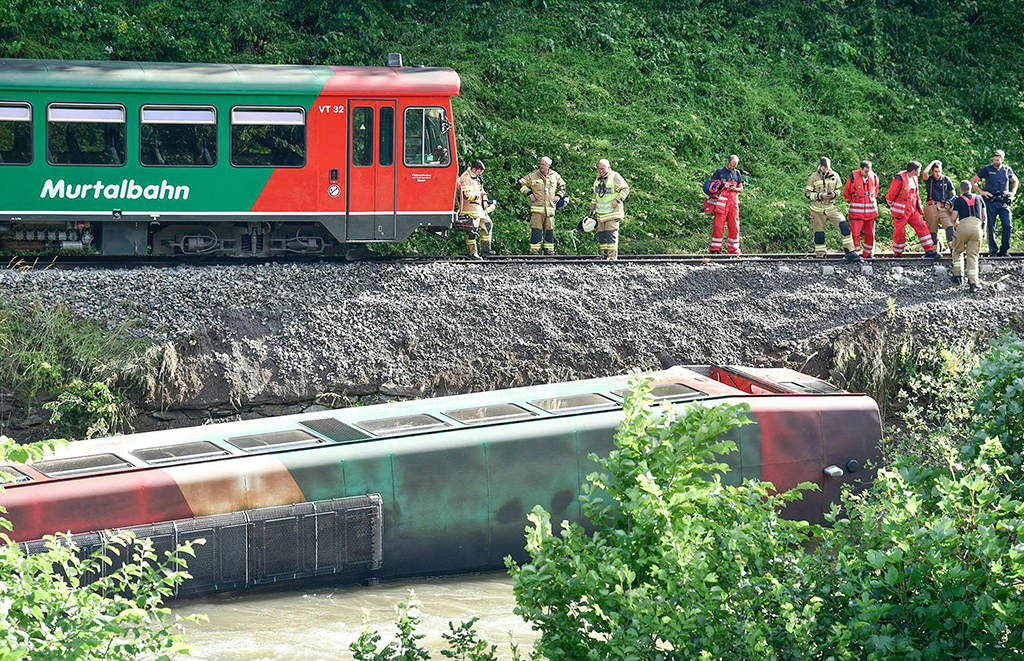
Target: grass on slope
point(665, 90)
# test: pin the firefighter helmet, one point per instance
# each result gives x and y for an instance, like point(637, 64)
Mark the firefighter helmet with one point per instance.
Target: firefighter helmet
point(713, 187)
point(587, 224)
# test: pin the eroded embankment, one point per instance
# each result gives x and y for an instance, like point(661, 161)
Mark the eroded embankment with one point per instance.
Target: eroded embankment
point(268, 339)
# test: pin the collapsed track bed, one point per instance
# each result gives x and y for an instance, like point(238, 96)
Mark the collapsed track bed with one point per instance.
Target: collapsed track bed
point(254, 339)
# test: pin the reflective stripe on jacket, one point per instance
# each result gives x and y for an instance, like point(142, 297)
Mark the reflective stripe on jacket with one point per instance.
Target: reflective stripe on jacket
point(903, 194)
point(472, 193)
point(862, 195)
point(607, 189)
point(545, 190)
point(818, 185)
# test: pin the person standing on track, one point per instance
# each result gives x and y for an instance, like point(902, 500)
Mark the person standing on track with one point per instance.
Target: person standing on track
point(473, 204)
point(726, 205)
point(861, 192)
point(966, 216)
point(905, 206)
point(607, 206)
point(822, 190)
point(938, 204)
point(1000, 189)
point(546, 190)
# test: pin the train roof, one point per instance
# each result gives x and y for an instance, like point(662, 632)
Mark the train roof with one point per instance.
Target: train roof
point(110, 76)
point(692, 383)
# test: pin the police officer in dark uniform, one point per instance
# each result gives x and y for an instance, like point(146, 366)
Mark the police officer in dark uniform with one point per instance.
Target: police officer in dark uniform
point(1000, 188)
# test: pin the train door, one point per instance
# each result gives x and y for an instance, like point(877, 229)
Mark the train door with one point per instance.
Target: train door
point(371, 170)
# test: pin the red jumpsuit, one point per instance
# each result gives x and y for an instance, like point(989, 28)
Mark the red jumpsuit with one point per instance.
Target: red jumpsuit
point(862, 194)
point(727, 212)
point(905, 206)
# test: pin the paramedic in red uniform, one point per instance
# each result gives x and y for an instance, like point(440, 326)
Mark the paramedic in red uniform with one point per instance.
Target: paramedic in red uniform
point(727, 207)
point(861, 192)
point(905, 205)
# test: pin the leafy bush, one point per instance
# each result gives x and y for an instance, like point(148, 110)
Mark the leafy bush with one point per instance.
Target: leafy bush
point(88, 410)
point(463, 641)
point(679, 565)
point(52, 609)
point(925, 563)
point(1000, 403)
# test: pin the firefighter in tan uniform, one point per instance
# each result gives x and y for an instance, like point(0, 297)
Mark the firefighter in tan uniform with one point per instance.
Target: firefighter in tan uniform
point(966, 215)
point(474, 206)
point(607, 207)
point(546, 190)
point(823, 188)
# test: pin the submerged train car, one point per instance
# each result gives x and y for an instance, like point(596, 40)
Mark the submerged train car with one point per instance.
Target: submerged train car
point(415, 488)
point(221, 159)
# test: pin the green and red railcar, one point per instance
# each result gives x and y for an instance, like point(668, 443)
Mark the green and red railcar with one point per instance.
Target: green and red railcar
point(415, 488)
point(223, 159)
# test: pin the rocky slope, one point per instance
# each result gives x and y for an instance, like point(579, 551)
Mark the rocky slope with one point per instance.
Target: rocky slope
point(267, 339)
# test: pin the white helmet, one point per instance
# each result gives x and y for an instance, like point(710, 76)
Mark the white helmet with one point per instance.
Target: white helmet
point(490, 206)
point(588, 224)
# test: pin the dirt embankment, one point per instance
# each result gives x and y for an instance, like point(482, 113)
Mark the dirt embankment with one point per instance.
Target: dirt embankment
point(268, 339)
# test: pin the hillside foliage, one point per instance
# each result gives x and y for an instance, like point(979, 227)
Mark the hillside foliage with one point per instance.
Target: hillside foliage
point(665, 90)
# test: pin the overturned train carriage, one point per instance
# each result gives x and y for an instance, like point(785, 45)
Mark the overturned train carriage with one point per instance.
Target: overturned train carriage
point(217, 159)
point(414, 488)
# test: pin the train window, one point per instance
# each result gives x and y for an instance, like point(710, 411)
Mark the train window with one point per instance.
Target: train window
point(78, 134)
point(275, 440)
point(96, 463)
point(10, 475)
point(574, 403)
point(812, 387)
point(171, 454)
point(675, 391)
point(406, 424)
point(177, 136)
point(386, 149)
point(490, 414)
point(268, 137)
point(362, 136)
point(15, 134)
point(427, 141)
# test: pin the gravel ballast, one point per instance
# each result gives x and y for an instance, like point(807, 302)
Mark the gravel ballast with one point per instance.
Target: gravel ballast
point(246, 335)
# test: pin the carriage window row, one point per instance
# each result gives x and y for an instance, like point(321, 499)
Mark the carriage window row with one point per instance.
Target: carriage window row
point(186, 136)
point(169, 136)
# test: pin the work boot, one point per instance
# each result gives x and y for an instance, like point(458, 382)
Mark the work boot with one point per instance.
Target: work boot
point(852, 256)
point(957, 280)
point(716, 252)
point(534, 251)
point(935, 240)
point(972, 288)
point(1002, 254)
point(485, 248)
point(547, 251)
point(931, 254)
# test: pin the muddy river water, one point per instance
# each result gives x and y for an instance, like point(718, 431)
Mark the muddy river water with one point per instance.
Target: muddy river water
point(318, 624)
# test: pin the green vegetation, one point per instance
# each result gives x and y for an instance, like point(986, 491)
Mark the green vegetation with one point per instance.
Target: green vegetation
point(926, 563)
point(463, 642)
point(51, 609)
point(664, 90)
point(75, 365)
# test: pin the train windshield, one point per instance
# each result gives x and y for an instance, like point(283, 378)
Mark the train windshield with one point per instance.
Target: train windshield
point(427, 137)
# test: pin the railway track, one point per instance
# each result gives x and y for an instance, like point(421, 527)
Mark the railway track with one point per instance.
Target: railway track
point(115, 262)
